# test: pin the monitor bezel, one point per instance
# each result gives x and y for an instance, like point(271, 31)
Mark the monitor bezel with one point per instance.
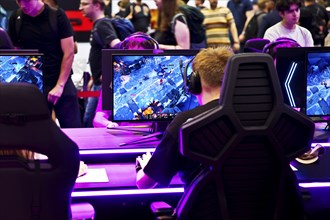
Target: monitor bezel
point(24, 52)
point(107, 73)
point(307, 53)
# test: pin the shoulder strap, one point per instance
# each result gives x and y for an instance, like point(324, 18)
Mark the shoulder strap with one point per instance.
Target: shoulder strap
point(52, 20)
point(175, 17)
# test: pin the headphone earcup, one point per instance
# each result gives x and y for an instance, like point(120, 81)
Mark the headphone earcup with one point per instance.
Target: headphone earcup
point(194, 84)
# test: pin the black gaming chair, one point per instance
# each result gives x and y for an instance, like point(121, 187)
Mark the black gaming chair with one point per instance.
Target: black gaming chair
point(255, 45)
point(34, 189)
point(5, 42)
point(245, 146)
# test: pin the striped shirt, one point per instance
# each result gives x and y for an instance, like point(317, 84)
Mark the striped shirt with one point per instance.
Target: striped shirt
point(217, 23)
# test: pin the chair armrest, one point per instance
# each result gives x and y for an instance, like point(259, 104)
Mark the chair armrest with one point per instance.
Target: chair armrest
point(162, 210)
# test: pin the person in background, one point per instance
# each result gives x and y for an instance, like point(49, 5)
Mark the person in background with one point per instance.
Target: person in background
point(219, 22)
point(139, 14)
point(199, 4)
point(179, 37)
point(108, 8)
point(103, 35)
point(290, 12)
point(58, 49)
point(314, 17)
point(166, 161)
point(242, 11)
point(136, 41)
point(123, 5)
point(54, 4)
point(260, 11)
point(271, 18)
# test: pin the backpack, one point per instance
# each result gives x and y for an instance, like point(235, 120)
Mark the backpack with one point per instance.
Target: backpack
point(194, 19)
point(252, 27)
point(123, 27)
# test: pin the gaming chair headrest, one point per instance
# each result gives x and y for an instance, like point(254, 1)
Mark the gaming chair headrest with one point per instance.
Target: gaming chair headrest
point(139, 39)
point(25, 122)
point(271, 47)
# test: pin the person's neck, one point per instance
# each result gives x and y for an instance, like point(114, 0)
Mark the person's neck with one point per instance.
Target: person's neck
point(99, 16)
point(38, 9)
point(287, 26)
point(207, 97)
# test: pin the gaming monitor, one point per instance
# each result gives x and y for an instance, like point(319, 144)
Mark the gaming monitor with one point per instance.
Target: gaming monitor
point(146, 85)
point(290, 66)
point(318, 82)
point(21, 66)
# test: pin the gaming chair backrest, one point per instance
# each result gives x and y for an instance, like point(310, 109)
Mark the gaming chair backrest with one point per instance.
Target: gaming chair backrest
point(26, 191)
point(245, 145)
point(255, 45)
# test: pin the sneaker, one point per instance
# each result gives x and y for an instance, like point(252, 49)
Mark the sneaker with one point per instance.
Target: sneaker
point(312, 155)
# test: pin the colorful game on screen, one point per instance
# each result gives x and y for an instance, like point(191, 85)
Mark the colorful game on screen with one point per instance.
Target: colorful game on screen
point(21, 68)
point(150, 87)
point(318, 83)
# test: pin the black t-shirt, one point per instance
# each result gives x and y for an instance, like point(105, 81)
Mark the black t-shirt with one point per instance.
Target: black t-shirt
point(167, 160)
point(102, 34)
point(36, 33)
point(140, 20)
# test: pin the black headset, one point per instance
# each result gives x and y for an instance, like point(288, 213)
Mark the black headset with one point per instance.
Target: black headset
point(193, 83)
point(124, 43)
point(282, 40)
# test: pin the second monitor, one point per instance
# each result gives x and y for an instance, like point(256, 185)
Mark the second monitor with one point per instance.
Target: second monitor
point(146, 85)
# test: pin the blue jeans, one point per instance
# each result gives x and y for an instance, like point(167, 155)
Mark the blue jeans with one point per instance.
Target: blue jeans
point(90, 108)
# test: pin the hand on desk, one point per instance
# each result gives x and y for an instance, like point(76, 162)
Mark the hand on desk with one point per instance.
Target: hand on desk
point(144, 159)
point(82, 169)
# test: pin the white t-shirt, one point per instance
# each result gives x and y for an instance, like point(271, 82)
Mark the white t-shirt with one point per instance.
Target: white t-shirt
point(299, 34)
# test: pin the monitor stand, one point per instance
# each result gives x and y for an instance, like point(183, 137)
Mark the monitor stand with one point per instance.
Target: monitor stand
point(157, 131)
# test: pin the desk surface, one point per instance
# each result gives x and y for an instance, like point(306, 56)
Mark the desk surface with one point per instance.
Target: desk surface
point(102, 138)
point(122, 175)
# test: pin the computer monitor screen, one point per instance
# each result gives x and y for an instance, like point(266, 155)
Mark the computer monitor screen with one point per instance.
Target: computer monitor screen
point(318, 82)
point(146, 85)
point(290, 66)
point(21, 66)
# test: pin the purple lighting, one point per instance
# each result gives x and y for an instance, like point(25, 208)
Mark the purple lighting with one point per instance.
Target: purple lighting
point(127, 192)
point(116, 151)
point(315, 184)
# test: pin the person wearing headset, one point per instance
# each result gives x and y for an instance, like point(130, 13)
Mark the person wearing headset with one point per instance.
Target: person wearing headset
point(136, 41)
point(204, 82)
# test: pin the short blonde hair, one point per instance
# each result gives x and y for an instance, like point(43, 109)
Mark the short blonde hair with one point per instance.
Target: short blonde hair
point(210, 64)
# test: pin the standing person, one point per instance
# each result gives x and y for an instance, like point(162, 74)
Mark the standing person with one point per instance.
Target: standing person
point(219, 22)
point(290, 12)
point(252, 28)
point(200, 4)
point(54, 4)
point(179, 37)
point(139, 14)
point(166, 161)
point(36, 32)
point(271, 18)
point(103, 35)
point(314, 17)
point(242, 11)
